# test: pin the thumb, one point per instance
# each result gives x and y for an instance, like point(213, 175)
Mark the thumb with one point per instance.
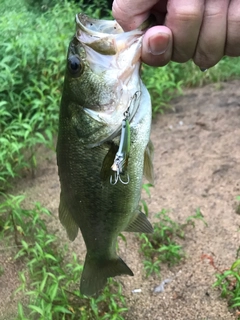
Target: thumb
point(130, 14)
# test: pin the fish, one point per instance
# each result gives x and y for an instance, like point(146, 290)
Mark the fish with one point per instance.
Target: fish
point(103, 145)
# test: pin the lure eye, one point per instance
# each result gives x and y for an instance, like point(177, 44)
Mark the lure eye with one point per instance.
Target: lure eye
point(74, 65)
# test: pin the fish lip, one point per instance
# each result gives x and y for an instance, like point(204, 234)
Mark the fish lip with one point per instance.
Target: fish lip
point(88, 25)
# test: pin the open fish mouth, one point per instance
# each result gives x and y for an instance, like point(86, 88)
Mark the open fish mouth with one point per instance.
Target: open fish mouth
point(104, 36)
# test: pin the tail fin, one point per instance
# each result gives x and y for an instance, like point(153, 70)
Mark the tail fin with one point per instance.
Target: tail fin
point(96, 272)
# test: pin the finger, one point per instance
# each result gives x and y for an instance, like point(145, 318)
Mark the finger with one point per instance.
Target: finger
point(232, 47)
point(184, 18)
point(211, 42)
point(157, 46)
point(130, 14)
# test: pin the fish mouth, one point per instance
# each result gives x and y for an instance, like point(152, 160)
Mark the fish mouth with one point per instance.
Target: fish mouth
point(104, 36)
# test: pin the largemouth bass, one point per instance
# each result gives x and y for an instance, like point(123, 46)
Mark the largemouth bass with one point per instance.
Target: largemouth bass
point(103, 144)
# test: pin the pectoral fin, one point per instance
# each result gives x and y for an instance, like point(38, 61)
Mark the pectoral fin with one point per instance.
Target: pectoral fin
point(106, 170)
point(139, 223)
point(67, 220)
point(148, 163)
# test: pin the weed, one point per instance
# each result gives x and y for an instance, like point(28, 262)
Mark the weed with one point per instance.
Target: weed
point(21, 223)
point(146, 187)
point(197, 216)
point(161, 247)
point(190, 75)
point(50, 283)
point(237, 210)
point(162, 85)
point(229, 283)
point(1, 271)
point(167, 82)
point(32, 65)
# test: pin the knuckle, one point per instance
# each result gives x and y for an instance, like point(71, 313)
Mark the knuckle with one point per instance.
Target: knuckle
point(181, 56)
point(216, 10)
point(234, 23)
point(234, 16)
point(215, 13)
point(232, 50)
point(232, 47)
point(206, 60)
point(117, 10)
point(187, 14)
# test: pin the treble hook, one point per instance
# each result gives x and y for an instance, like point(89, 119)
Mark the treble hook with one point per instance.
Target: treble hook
point(117, 176)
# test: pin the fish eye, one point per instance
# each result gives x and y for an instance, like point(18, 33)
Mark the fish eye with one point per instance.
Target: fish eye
point(74, 65)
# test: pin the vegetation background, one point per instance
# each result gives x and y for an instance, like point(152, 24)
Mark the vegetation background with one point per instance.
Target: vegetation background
point(34, 41)
point(33, 46)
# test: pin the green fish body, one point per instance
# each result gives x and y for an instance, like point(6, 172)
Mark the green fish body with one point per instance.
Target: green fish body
point(101, 84)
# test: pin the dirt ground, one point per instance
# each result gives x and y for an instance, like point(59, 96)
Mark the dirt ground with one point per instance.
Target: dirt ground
point(197, 164)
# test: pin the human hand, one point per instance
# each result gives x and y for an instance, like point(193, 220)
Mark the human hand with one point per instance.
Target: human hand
point(201, 30)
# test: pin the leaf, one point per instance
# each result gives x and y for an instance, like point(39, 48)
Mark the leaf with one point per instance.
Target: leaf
point(36, 309)
point(236, 264)
point(61, 309)
point(53, 291)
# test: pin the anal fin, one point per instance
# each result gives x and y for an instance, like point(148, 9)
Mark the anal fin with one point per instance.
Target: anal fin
point(67, 220)
point(139, 223)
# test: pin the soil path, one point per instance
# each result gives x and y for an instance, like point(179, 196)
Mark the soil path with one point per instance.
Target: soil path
point(197, 165)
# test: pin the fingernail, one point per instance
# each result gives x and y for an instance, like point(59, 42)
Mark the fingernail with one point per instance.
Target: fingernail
point(158, 43)
point(203, 69)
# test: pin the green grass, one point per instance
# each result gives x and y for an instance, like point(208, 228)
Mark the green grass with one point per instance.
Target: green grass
point(51, 278)
point(52, 275)
point(162, 246)
point(1, 271)
point(33, 51)
point(228, 282)
point(167, 82)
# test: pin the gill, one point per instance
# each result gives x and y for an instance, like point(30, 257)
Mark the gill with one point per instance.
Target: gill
point(120, 162)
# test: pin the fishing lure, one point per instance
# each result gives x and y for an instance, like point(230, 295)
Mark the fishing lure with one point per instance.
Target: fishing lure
point(121, 158)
